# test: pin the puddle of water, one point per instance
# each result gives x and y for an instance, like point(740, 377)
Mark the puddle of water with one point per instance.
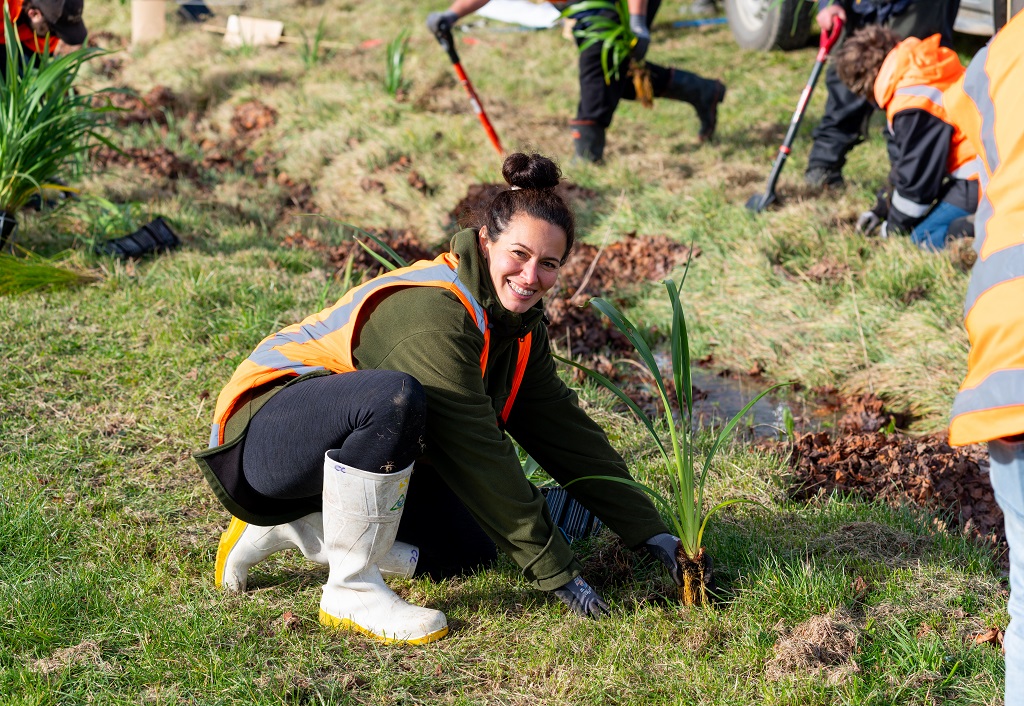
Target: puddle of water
point(718, 398)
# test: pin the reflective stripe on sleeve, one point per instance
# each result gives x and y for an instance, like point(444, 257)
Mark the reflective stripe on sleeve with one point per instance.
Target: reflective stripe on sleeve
point(968, 170)
point(911, 208)
point(1003, 388)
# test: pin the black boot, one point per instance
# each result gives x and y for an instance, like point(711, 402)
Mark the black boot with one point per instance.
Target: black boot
point(588, 139)
point(704, 94)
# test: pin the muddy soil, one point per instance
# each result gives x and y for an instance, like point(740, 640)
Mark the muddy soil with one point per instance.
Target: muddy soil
point(901, 470)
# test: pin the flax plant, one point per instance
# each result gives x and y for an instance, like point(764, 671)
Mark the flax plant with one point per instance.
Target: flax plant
point(394, 80)
point(45, 122)
point(683, 506)
point(609, 27)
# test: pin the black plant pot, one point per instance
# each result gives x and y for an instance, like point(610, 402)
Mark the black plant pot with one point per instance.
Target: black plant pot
point(8, 224)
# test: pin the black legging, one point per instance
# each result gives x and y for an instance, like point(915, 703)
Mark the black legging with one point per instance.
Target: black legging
point(377, 419)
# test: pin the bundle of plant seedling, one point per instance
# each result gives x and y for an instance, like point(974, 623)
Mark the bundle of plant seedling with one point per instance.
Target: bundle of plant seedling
point(606, 22)
point(44, 125)
point(683, 505)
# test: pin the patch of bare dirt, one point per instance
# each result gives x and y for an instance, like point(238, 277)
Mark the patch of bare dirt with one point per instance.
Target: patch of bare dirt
point(901, 470)
point(828, 270)
point(403, 242)
point(249, 121)
point(156, 162)
point(824, 644)
point(138, 109)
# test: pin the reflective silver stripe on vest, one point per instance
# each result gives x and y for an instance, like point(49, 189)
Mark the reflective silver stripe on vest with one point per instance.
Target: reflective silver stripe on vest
point(923, 91)
point(266, 355)
point(214, 435)
point(977, 86)
point(1003, 388)
point(968, 170)
point(911, 208)
point(1001, 266)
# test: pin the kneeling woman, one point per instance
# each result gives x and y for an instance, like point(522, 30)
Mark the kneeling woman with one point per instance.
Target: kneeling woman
point(315, 435)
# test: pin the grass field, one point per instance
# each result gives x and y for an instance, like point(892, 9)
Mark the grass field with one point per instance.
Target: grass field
point(108, 532)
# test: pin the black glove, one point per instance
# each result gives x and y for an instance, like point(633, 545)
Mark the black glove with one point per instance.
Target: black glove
point(664, 548)
point(582, 599)
point(638, 25)
point(440, 22)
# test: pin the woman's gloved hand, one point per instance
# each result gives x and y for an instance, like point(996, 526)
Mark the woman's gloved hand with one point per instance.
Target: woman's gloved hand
point(638, 25)
point(664, 547)
point(441, 21)
point(582, 599)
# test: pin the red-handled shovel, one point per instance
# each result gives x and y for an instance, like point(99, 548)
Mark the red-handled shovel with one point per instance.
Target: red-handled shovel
point(759, 202)
point(444, 36)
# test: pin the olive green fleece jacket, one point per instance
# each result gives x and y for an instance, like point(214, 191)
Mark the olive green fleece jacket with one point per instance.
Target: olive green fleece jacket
point(428, 333)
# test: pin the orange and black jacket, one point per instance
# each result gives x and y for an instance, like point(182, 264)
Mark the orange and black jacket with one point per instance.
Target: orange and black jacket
point(987, 105)
point(931, 160)
point(29, 39)
point(441, 322)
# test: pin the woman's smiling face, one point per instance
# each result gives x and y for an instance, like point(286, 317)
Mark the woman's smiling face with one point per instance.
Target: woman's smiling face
point(524, 261)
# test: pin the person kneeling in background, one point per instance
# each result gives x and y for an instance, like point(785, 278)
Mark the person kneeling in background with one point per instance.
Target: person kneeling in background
point(933, 178)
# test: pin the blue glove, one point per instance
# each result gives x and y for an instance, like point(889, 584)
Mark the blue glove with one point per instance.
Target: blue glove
point(638, 26)
point(664, 547)
point(582, 599)
point(441, 21)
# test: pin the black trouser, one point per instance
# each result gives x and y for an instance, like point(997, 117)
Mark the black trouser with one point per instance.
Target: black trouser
point(598, 100)
point(377, 419)
point(845, 122)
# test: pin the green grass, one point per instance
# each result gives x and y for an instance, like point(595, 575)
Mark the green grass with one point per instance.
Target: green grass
point(108, 531)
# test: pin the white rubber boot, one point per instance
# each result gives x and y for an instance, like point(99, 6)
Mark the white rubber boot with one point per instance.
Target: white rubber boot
point(361, 515)
point(242, 546)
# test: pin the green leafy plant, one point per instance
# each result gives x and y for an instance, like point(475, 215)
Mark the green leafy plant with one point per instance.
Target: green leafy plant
point(394, 80)
point(45, 123)
point(683, 506)
point(609, 27)
point(309, 51)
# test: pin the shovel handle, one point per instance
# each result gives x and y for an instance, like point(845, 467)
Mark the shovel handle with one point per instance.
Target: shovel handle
point(444, 37)
point(829, 37)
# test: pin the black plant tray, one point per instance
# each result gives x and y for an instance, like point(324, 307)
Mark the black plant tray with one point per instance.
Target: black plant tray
point(154, 237)
point(575, 521)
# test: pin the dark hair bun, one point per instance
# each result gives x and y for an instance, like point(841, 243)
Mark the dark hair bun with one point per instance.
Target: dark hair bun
point(530, 171)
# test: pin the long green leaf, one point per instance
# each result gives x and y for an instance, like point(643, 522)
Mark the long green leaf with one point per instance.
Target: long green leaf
point(716, 508)
point(680, 352)
point(629, 330)
point(397, 259)
point(376, 256)
point(658, 497)
point(727, 430)
point(612, 387)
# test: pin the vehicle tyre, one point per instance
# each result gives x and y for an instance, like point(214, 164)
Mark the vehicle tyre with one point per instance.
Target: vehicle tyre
point(1000, 9)
point(770, 24)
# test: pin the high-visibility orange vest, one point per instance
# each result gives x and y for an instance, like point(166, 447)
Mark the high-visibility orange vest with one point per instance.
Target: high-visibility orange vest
point(323, 341)
point(29, 39)
point(913, 76)
point(988, 105)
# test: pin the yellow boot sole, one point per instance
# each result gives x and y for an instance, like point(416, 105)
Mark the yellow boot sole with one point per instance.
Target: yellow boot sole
point(228, 539)
point(330, 621)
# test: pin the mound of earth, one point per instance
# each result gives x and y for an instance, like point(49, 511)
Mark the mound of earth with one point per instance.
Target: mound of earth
point(901, 470)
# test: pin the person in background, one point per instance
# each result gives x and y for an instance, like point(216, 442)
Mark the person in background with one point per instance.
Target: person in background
point(934, 169)
point(845, 121)
point(438, 364)
point(986, 105)
point(42, 25)
point(598, 99)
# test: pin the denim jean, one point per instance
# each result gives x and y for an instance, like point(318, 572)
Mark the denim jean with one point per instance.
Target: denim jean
point(930, 234)
point(1007, 476)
